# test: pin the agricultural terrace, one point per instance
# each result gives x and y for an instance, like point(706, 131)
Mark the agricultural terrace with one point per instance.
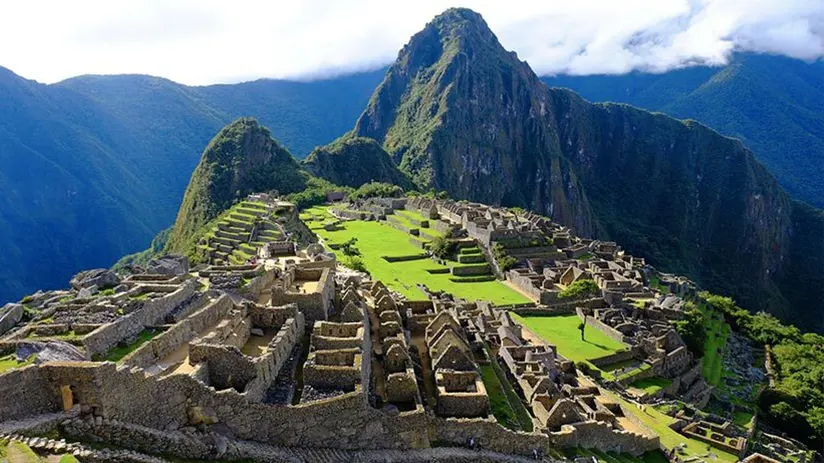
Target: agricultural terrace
point(660, 423)
point(376, 240)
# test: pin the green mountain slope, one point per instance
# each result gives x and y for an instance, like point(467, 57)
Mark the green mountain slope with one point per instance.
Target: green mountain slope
point(772, 103)
point(353, 161)
point(95, 166)
point(461, 114)
point(242, 158)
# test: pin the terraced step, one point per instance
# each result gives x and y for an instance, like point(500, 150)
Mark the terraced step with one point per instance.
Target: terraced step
point(248, 248)
point(225, 241)
point(270, 235)
point(472, 279)
point(250, 212)
point(471, 258)
point(231, 235)
point(471, 250)
point(249, 218)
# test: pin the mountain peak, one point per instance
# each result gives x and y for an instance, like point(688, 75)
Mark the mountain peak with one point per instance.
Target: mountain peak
point(242, 158)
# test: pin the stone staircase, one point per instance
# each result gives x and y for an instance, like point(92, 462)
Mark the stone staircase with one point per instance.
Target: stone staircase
point(82, 452)
point(262, 452)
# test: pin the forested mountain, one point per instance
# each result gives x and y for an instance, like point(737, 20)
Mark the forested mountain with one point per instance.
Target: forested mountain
point(352, 161)
point(95, 166)
point(772, 103)
point(241, 159)
point(460, 114)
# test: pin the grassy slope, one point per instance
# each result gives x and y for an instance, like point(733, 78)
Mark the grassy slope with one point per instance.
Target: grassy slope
point(376, 240)
point(712, 364)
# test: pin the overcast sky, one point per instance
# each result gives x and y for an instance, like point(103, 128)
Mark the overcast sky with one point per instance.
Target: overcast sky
point(209, 41)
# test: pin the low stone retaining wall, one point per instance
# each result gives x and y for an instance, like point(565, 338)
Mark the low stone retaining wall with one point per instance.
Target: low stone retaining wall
point(470, 270)
point(405, 258)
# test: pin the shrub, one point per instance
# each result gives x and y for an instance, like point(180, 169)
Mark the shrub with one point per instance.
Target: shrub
point(580, 288)
point(348, 248)
point(504, 260)
point(377, 190)
point(355, 263)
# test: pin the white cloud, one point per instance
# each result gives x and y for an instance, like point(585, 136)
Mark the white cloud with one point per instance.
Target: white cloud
point(208, 41)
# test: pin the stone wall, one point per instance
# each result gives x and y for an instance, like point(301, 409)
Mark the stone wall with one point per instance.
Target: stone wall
point(26, 392)
point(152, 312)
point(259, 283)
point(601, 436)
point(606, 329)
point(470, 270)
point(315, 305)
point(228, 367)
point(463, 404)
point(180, 334)
point(612, 358)
point(141, 438)
point(271, 317)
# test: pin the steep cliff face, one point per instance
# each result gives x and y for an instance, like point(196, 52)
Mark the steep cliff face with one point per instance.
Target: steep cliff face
point(680, 194)
point(242, 158)
point(460, 114)
point(353, 161)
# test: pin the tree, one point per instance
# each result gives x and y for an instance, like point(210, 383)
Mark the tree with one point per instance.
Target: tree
point(441, 247)
point(692, 330)
point(580, 288)
point(816, 419)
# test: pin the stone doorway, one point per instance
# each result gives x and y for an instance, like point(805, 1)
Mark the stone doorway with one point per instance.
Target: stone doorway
point(67, 394)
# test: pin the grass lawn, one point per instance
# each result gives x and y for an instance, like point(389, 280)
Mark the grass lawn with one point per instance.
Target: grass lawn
point(498, 401)
point(651, 385)
point(10, 361)
point(375, 240)
point(562, 331)
point(712, 364)
point(742, 418)
point(660, 422)
point(117, 353)
point(495, 377)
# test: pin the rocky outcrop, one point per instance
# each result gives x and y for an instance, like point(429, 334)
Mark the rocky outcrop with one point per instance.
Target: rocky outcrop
point(50, 351)
point(101, 278)
point(10, 315)
point(169, 265)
